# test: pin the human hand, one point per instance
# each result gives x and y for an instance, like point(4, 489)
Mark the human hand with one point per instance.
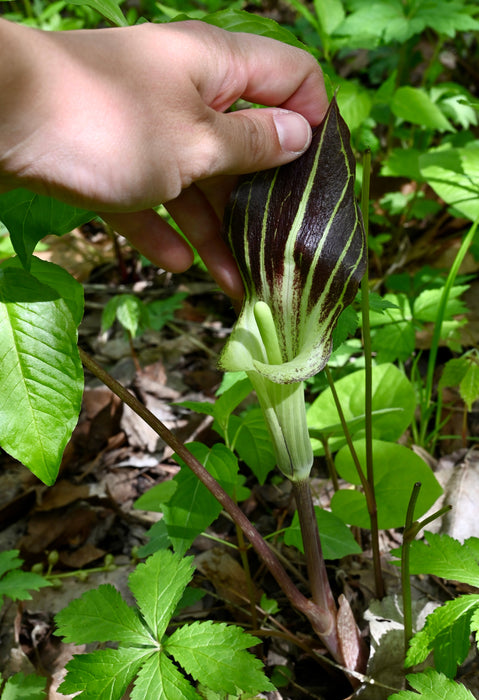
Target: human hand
point(121, 120)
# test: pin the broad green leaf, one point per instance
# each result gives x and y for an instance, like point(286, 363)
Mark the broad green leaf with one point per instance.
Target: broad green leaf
point(157, 539)
point(241, 21)
point(403, 162)
point(329, 15)
point(30, 217)
point(396, 470)
point(453, 173)
point(21, 687)
point(41, 383)
point(104, 674)
point(158, 585)
point(159, 679)
point(426, 304)
point(214, 654)
point(390, 389)
point(454, 372)
point(367, 25)
point(442, 555)
point(446, 633)
point(9, 560)
point(431, 685)
point(469, 386)
point(108, 8)
point(101, 615)
point(337, 540)
point(157, 496)
point(354, 103)
point(393, 341)
point(231, 399)
point(414, 105)
point(249, 436)
point(192, 508)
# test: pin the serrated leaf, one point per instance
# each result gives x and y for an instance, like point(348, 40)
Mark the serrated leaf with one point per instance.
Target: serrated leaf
point(17, 584)
point(446, 557)
point(337, 540)
point(454, 371)
point(160, 679)
point(158, 586)
point(41, 383)
point(104, 674)
point(21, 687)
point(426, 304)
point(101, 615)
point(30, 217)
point(213, 653)
point(446, 632)
point(431, 685)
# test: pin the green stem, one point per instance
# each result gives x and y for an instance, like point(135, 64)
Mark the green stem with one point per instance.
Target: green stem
point(368, 388)
point(319, 619)
point(405, 576)
point(436, 337)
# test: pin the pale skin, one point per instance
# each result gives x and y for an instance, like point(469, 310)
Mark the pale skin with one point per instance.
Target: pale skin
point(121, 120)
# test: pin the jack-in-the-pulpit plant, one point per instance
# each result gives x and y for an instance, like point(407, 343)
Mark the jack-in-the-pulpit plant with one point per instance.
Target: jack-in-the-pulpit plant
point(297, 235)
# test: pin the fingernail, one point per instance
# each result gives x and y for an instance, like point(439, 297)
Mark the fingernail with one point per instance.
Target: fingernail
point(294, 132)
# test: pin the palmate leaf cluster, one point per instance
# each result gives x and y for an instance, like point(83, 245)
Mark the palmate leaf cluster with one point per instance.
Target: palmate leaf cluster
point(214, 654)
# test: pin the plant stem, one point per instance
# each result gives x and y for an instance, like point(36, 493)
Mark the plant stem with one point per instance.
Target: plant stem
point(318, 578)
point(320, 619)
point(436, 337)
point(405, 577)
point(368, 389)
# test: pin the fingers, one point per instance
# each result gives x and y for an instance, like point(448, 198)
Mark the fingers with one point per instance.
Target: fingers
point(153, 237)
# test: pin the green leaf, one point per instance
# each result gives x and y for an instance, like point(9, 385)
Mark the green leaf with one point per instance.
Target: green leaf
point(157, 496)
point(453, 173)
point(337, 540)
point(426, 304)
point(213, 653)
point(241, 21)
point(192, 508)
point(414, 105)
point(161, 311)
point(41, 383)
point(16, 584)
point(161, 680)
point(127, 309)
point(230, 399)
point(431, 685)
point(158, 586)
point(390, 389)
point(249, 436)
point(469, 386)
point(101, 615)
point(104, 674)
point(158, 539)
point(396, 470)
point(354, 103)
point(107, 8)
point(444, 556)
point(30, 217)
point(20, 687)
point(446, 633)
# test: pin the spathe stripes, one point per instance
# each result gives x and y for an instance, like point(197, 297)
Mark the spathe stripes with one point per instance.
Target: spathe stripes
point(297, 235)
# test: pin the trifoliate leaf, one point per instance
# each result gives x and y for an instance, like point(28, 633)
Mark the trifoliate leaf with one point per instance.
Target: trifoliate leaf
point(432, 685)
point(214, 654)
point(160, 679)
point(103, 675)
point(101, 615)
point(446, 632)
point(158, 586)
point(446, 557)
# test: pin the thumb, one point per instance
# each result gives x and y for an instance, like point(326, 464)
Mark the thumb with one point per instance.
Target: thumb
point(257, 139)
